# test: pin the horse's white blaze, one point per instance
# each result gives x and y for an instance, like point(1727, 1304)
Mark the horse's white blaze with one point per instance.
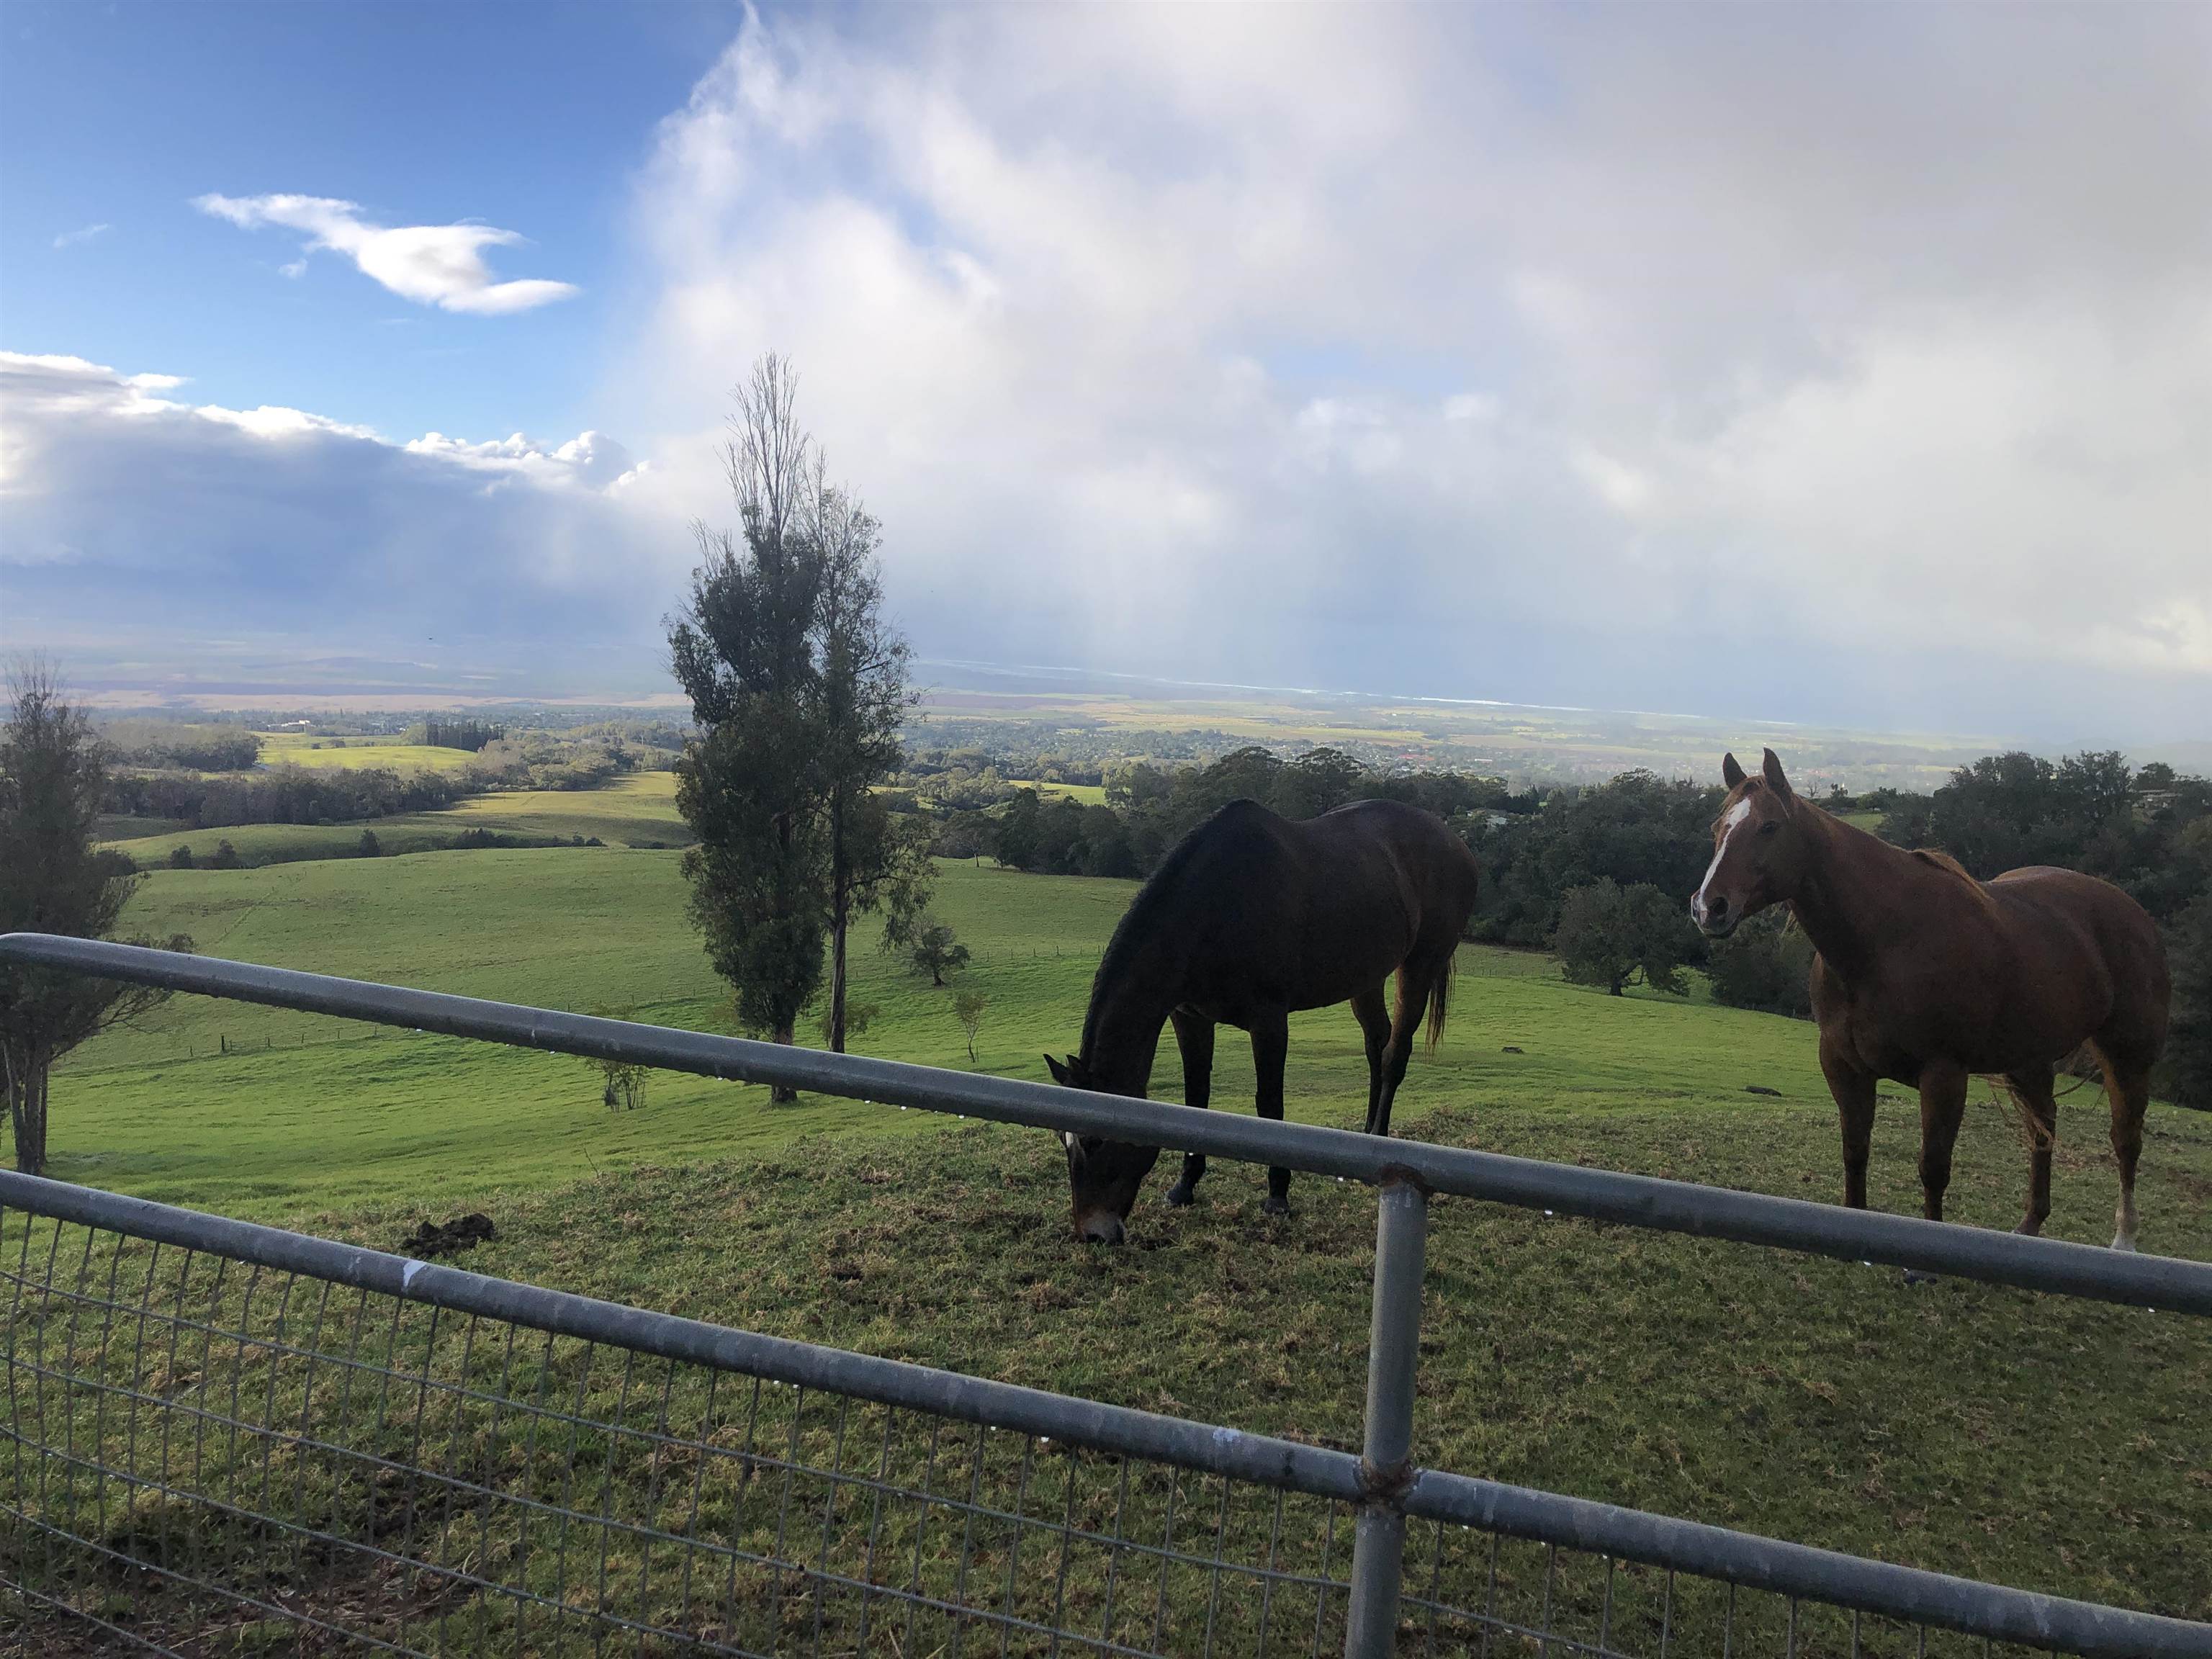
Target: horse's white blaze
point(1730, 825)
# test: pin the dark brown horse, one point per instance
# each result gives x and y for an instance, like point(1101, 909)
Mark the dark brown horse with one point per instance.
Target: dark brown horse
point(1250, 917)
point(1930, 977)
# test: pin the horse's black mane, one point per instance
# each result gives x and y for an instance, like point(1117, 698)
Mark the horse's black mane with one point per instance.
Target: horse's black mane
point(1162, 881)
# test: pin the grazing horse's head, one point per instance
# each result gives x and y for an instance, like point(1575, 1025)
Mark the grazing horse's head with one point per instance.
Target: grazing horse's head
point(1759, 849)
point(1102, 1176)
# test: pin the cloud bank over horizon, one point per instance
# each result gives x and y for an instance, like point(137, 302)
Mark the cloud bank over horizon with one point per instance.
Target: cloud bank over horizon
point(159, 538)
point(1839, 366)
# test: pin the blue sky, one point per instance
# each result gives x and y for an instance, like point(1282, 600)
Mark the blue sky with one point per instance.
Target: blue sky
point(530, 117)
point(1849, 365)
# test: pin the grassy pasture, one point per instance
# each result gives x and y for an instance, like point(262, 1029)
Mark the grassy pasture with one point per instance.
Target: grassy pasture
point(298, 749)
point(2056, 1444)
point(639, 808)
point(1090, 794)
point(296, 1107)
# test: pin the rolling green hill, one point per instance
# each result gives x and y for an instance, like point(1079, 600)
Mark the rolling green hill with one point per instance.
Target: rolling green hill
point(298, 1108)
point(629, 811)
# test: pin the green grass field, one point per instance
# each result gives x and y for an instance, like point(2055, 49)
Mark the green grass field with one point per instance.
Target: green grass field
point(298, 749)
point(1090, 794)
point(640, 809)
point(2057, 1444)
point(307, 1109)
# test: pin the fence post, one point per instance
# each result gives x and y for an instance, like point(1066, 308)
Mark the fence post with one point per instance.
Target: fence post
point(1401, 1231)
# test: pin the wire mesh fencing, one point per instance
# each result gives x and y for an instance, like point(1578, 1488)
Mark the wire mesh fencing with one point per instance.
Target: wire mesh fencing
point(209, 1457)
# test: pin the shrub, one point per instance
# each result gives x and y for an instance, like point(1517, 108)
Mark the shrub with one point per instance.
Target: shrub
point(858, 1018)
point(968, 1008)
point(2185, 1076)
point(622, 1083)
point(1613, 936)
point(226, 857)
point(181, 859)
point(1766, 964)
point(934, 950)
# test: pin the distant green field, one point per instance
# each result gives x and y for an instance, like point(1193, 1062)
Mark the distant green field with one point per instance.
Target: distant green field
point(1090, 794)
point(2057, 1444)
point(298, 749)
point(629, 811)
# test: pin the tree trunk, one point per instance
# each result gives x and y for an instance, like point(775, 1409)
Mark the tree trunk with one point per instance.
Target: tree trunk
point(1617, 984)
point(841, 904)
point(778, 1094)
point(27, 1112)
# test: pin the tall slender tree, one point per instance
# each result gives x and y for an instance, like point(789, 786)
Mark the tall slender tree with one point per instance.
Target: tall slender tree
point(53, 774)
point(797, 684)
point(875, 862)
point(742, 649)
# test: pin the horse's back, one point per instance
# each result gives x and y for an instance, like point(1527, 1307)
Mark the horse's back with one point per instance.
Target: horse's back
point(1433, 869)
point(1308, 912)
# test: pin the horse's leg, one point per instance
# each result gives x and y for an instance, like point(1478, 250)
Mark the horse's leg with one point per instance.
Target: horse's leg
point(1943, 1106)
point(2031, 1085)
point(1854, 1092)
point(1194, 1036)
point(2128, 1086)
point(1270, 1046)
point(1375, 1026)
point(1415, 979)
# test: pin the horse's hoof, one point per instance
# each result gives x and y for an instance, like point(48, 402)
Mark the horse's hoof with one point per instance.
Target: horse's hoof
point(1275, 1206)
point(1914, 1276)
point(2029, 1230)
point(1179, 1196)
point(2125, 1242)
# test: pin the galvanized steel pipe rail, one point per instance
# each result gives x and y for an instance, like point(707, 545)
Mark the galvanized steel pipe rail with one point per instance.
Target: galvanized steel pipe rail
point(2151, 1281)
point(1879, 1588)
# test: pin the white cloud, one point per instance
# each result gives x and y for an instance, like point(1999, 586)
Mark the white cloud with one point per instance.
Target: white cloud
point(83, 233)
point(438, 265)
point(1149, 332)
point(129, 514)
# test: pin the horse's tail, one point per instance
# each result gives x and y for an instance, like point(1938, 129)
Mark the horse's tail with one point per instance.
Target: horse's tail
point(1440, 999)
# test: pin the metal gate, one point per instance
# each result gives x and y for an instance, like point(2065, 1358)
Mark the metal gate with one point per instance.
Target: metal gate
point(224, 1438)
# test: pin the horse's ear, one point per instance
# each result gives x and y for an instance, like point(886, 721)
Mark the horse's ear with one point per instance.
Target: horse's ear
point(1060, 1074)
point(1731, 774)
point(1771, 769)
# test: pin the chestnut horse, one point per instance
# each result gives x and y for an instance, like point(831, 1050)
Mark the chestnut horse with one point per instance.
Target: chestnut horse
point(1249, 918)
point(1929, 977)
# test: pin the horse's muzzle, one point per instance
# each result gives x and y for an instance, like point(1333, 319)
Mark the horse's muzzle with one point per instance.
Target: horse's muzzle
point(1099, 1227)
point(1716, 917)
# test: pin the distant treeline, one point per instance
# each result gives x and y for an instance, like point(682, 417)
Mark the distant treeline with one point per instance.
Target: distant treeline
point(1148, 808)
point(2148, 831)
point(468, 734)
point(200, 748)
point(582, 759)
point(369, 846)
point(285, 795)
